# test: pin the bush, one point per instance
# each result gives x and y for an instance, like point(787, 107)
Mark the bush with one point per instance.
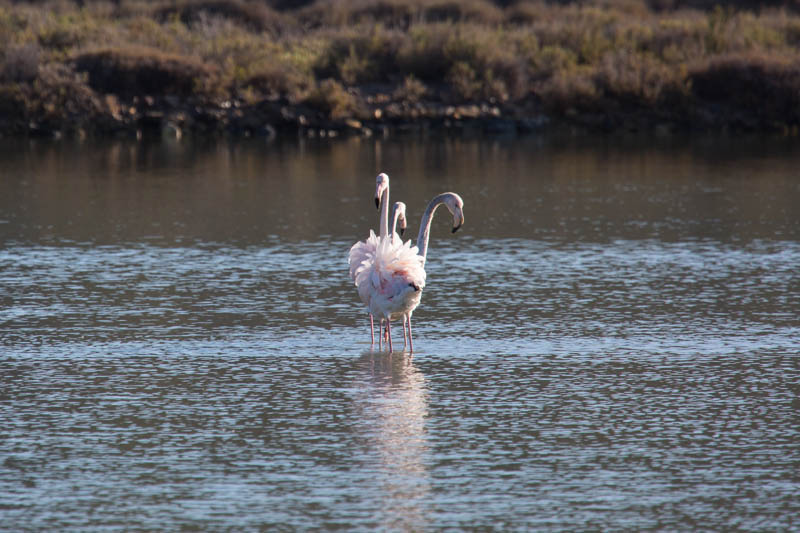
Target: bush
point(400, 14)
point(21, 63)
point(277, 79)
point(252, 15)
point(411, 91)
point(747, 82)
point(638, 80)
point(139, 70)
point(360, 55)
point(332, 98)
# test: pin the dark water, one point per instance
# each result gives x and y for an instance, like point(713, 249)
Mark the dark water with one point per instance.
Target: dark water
point(611, 342)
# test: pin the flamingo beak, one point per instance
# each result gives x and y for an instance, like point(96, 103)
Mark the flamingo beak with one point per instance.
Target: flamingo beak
point(414, 286)
point(402, 230)
point(458, 220)
point(377, 203)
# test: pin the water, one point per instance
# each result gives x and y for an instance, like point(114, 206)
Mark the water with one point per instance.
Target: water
point(610, 342)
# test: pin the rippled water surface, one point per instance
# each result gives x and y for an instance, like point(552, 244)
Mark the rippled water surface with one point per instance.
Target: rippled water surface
point(611, 341)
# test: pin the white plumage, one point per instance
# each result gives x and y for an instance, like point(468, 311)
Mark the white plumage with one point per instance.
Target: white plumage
point(388, 278)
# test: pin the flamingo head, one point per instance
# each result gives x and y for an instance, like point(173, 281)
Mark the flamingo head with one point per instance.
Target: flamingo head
point(399, 210)
point(381, 185)
point(456, 206)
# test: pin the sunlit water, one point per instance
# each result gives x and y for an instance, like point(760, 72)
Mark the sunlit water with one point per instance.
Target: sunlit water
point(611, 341)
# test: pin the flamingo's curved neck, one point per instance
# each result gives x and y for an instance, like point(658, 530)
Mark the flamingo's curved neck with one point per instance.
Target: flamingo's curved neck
point(384, 223)
point(425, 226)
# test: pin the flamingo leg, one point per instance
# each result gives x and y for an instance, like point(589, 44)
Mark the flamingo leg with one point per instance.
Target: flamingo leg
point(410, 340)
point(405, 334)
point(371, 329)
point(389, 331)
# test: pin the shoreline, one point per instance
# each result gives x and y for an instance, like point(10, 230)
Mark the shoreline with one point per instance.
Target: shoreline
point(169, 117)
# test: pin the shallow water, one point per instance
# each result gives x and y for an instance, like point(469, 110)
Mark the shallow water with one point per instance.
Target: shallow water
point(611, 341)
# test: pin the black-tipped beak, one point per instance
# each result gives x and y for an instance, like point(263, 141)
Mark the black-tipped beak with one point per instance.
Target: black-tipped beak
point(377, 203)
point(455, 228)
point(402, 230)
point(414, 286)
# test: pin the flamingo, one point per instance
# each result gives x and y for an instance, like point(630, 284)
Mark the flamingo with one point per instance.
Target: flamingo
point(363, 250)
point(455, 205)
point(393, 278)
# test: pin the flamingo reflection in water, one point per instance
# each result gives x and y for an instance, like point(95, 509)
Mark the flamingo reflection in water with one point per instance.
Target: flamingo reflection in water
point(391, 404)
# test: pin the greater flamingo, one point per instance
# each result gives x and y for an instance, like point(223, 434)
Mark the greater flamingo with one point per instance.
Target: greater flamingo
point(410, 301)
point(364, 250)
point(393, 278)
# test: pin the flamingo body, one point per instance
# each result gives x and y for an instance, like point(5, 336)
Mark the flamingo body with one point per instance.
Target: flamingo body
point(390, 278)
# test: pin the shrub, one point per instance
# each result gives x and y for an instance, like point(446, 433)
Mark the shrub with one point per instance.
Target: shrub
point(751, 81)
point(252, 15)
point(332, 98)
point(464, 81)
point(479, 11)
point(21, 63)
point(412, 90)
point(638, 80)
point(553, 59)
point(475, 60)
point(574, 89)
point(360, 55)
point(140, 70)
point(400, 14)
point(60, 93)
point(277, 79)
point(334, 13)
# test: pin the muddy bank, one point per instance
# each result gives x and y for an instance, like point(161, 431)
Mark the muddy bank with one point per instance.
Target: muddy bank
point(170, 116)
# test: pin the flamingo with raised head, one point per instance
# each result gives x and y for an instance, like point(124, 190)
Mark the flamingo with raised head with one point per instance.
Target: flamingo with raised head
point(364, 250)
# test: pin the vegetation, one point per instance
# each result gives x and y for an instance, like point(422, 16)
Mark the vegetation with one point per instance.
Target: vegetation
point(257, 67)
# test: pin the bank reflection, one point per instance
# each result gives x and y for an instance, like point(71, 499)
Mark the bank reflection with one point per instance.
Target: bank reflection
point(394, 404)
